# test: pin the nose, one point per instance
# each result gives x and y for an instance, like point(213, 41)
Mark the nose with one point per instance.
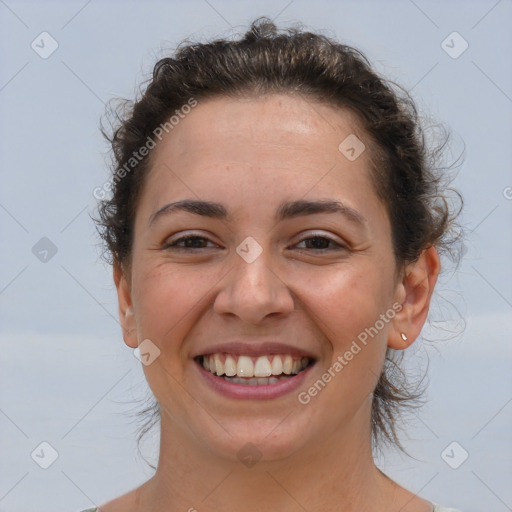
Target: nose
point(253, 291)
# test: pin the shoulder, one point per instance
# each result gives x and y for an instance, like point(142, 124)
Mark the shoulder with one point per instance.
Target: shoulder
point(126, 503)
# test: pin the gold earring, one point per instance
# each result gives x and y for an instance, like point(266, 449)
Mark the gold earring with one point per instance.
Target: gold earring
point(404, 337)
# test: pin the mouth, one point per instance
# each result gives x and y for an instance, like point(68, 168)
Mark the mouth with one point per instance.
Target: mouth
point(253, 371)
point(244, 376)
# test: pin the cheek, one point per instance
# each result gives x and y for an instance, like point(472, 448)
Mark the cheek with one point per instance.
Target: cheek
point(167, 304)
point(346, 306)
point(346, 300)
point(167, 300)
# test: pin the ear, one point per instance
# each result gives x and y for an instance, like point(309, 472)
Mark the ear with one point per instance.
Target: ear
point(414, 293)
point(126, 313)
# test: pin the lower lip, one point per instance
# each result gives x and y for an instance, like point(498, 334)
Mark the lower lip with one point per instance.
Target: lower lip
point(256, 392)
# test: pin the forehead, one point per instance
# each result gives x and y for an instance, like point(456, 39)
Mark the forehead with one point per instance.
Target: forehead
point(254, 149)
point(269, 132)
point(269, 121)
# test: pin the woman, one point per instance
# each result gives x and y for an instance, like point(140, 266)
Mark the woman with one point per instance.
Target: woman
point(275, 229)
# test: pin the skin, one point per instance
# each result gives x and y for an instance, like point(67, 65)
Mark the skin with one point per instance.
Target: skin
point(251, 154)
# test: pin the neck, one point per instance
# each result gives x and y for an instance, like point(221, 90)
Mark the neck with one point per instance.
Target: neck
point(335, 473)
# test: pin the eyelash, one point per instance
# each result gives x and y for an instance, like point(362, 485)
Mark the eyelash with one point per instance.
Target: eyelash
point(173, 246)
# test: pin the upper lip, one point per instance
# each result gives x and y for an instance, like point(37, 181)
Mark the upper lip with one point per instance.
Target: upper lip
point(255, 349)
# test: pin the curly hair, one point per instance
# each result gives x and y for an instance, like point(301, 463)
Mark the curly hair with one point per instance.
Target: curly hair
point(268, 60)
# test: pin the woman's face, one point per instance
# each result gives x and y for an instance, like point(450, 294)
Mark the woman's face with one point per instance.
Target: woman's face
point(267, 281)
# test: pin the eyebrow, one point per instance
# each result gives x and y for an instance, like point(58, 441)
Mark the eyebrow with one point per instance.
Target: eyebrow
point(287, 210)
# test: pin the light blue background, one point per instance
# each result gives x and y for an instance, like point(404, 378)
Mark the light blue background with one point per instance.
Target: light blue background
point(68, 379)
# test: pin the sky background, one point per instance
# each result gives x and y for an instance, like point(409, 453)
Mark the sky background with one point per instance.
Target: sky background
point(67, 378)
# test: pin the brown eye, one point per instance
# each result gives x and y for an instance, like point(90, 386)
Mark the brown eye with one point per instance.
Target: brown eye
point(189, 242)
point(321, 243)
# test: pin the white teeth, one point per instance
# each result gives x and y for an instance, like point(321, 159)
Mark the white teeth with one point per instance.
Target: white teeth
point(297, 366)
point(245, 367)
point(230, 366)
point(277, 366)
point(262, 367)
point(219, 367)
point(253, 367)
point(262, 381)
point(288, 365)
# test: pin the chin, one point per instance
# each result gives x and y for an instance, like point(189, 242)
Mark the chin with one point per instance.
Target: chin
point(263, 440)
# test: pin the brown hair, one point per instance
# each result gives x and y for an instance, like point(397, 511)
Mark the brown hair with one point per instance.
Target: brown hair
point(268, 60)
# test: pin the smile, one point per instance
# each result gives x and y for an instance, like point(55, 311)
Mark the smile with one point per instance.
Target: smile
point(242, 376)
